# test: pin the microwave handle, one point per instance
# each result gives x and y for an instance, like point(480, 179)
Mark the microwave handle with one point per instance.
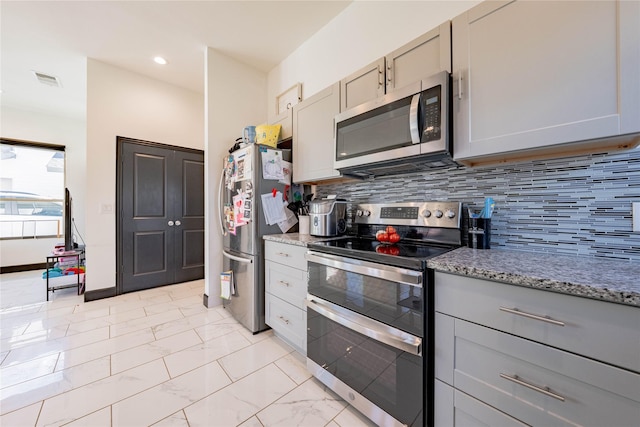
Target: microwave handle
point(413, 119)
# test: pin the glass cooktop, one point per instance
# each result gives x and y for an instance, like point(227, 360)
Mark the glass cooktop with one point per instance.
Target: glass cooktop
point(403, 254)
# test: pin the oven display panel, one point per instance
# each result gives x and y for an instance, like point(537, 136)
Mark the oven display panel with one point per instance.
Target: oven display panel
point(401, 212)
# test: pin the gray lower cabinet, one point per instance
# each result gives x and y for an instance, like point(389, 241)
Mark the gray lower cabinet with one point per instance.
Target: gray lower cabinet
point(498, 354)
point(286, 292)
point(457, 409)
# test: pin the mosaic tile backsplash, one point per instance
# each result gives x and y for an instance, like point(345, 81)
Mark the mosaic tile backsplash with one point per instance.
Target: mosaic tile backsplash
point(578, 205)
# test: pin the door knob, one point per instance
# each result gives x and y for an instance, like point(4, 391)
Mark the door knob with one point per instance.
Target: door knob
point(170, 223)
point(178, 223)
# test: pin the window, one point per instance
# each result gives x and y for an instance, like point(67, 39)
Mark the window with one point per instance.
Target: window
point(31, 190)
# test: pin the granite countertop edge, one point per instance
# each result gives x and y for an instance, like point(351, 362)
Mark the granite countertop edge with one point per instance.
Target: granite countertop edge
point(604, 280)
point(296, 239)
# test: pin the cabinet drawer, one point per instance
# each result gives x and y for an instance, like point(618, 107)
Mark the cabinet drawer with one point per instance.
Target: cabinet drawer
point(540, 385)
point(287, 320)
point(287, 283)
point(601, 330)
point(455, 409)
point(286, 254)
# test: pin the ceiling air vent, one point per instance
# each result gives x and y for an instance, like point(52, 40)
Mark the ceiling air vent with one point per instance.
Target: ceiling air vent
point(47, 79)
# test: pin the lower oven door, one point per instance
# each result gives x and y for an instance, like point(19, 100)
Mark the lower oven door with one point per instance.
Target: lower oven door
point(376, 368)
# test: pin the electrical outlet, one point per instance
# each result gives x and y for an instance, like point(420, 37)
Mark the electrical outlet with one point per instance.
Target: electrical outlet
point(635, 216)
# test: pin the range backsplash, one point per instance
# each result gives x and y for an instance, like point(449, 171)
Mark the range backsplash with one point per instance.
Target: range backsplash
point(578, 205)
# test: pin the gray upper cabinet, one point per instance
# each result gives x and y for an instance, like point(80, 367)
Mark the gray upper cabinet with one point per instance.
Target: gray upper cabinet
point(285, 119)
point(313, 145)
point(363, 85)
point(531, 78)
point(420, 58)
point(425, 56)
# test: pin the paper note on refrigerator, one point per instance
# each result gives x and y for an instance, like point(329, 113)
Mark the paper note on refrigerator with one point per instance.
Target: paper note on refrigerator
point(226, 284)
point(273, 207)
point(286, 173)
point(289, 222)
point(243, 165)
point(272, 164)
point(239, 210)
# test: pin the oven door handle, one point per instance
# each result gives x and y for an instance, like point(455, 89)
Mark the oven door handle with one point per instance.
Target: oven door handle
point(380, 271)
point(366, 326)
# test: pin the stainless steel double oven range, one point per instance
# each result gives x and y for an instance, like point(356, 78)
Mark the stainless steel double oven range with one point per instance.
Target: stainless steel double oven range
point(370, 309)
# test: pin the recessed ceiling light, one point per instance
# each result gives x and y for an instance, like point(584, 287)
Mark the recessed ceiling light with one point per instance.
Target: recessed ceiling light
point(160, 60)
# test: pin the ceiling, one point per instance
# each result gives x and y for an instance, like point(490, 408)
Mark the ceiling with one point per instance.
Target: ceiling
point(56, 37)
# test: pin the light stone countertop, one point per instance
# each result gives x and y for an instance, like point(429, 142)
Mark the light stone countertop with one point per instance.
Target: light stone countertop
point(597, 278)
point(295, 238)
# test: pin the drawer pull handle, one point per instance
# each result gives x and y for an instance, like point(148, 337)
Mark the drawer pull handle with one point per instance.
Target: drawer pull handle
point(286, 321)
point(284, 254)
point(544, 390)
point(532, 316)
point(282, 282)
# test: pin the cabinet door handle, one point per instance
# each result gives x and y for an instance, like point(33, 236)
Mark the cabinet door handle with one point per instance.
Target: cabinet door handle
point(460, 84)
point(178, 223)
point(286, 321)
point(282, 282)
point(284, 254)
point(544, 390)
point(170, 223)
point(380, 77)
point(546, 319)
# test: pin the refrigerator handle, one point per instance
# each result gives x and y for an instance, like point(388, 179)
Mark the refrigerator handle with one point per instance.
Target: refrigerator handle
point(220, 212)
point(237, 258)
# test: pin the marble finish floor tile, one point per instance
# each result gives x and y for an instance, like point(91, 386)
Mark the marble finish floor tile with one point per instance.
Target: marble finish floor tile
point(156, 357)
point(310, 404)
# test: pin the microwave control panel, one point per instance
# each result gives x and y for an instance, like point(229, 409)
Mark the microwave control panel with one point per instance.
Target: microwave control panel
point(431, 105)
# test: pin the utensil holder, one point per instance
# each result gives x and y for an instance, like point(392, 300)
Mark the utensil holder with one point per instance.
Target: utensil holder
point(303, 224)
point(479, 236)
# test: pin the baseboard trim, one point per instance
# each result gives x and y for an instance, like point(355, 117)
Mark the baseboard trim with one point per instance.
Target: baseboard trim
point(99, 294)
point(25, 267)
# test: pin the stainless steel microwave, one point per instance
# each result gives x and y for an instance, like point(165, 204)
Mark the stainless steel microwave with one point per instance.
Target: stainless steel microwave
point(396, 131)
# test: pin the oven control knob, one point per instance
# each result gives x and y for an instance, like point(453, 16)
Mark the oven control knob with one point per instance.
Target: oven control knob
point(359, 212)
point(366, 213)
point(438, 213)
point(450, 214)
point(426, 213)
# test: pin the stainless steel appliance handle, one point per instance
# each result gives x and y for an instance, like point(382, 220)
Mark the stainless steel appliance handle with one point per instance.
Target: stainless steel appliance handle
point(366, 326)
point(544, 390)
point(220, 213)
point(237, 258)
point(546, 319)
point(381, 271)
point(413, 119)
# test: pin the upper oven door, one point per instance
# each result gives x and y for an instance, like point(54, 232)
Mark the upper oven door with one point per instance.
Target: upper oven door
point(390, 295)
point(405, 123)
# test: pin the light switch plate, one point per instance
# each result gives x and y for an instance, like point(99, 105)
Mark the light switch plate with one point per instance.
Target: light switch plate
point(106, 208)
point(635, 215)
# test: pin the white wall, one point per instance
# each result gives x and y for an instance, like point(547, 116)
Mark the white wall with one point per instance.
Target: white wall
point(235, 97)
point(362, 33)
point(48, 129)
point(122, 103)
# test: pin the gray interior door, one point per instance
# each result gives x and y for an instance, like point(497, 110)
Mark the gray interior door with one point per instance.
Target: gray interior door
point(161, 215)
point(188, 203)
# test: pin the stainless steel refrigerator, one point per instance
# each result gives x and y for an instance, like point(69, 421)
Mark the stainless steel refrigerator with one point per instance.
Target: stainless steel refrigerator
point(243, 183)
